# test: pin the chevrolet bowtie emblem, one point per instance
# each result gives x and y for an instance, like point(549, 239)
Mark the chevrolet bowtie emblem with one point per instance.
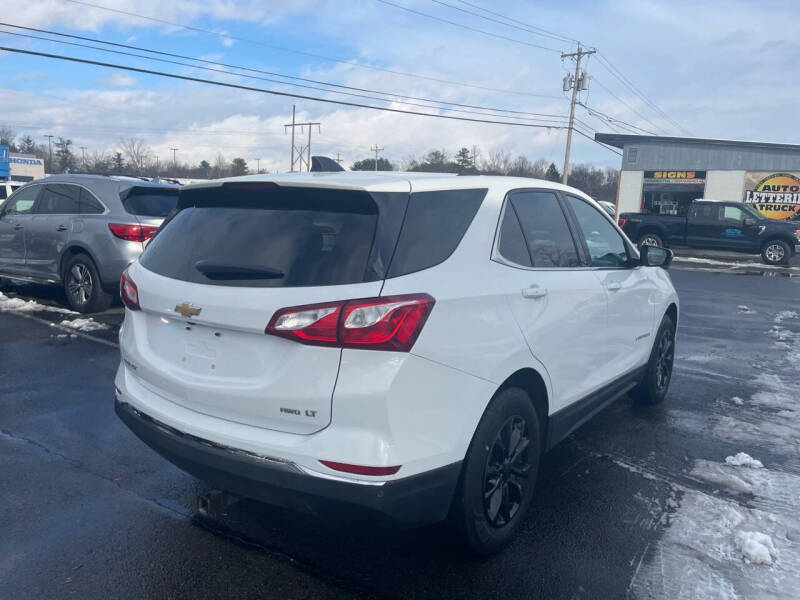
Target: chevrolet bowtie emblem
point(187, 310)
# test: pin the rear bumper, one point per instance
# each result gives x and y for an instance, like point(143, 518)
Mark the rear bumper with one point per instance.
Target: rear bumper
point(415, 500)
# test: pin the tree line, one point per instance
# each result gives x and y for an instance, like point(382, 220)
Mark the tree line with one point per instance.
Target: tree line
point(599, 183)
point(133, 157)
point(130, 157)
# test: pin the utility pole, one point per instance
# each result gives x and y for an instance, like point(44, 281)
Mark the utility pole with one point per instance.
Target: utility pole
point(338, 158)
point(258, 166)
point(156, 165)
point(578, 83)
point(174, 160)
point(83, 152)
point(50, 148)
point(297, 151)
point(375, 149)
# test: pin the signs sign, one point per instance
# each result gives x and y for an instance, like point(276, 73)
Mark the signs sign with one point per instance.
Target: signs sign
point(675, 177)
point(774, 195)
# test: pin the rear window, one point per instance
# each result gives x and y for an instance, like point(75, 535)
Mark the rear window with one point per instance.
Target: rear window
point(149, 201)
point(264, 235)
point(273, 237)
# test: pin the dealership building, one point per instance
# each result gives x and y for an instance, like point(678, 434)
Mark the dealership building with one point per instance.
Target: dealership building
point(663, 175)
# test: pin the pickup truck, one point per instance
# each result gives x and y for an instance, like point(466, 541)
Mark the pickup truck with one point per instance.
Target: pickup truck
point(719, 226)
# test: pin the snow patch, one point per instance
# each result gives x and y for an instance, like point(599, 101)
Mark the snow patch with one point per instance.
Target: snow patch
point(786, 314)
point(737, 401)
point(26, 306)
point(756, 547)
point(743, 459)
point(84, 325)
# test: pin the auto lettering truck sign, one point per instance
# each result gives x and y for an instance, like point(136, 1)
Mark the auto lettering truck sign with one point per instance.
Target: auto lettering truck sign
point(774, 195)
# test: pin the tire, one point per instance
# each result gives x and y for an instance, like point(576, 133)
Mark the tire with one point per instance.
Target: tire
point(488, 522)
point(653, 388)
point(775, 252)
point(651, 239)
point(83, 287)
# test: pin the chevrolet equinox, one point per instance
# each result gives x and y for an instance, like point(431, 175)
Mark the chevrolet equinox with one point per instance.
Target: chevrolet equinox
point(408, 344)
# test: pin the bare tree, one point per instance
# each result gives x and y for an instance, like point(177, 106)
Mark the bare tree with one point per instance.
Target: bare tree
point(7, 137)
point(136, 152)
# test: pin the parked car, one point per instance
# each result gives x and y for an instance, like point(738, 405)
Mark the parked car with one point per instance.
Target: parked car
point(403, 343)
point(80, 231)
point(609, 207)
point(7, 188)
point(717, 226)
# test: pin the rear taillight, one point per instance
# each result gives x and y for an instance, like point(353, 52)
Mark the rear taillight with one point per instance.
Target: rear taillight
point(622, 222)
point(128, 291)
point(132, 233)
point(384, 323)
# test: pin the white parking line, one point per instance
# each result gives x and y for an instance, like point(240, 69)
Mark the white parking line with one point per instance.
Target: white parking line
point(64, 329)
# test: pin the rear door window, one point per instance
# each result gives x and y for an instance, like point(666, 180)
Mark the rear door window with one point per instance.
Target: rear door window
point(59, 199)
point(434, 224)
point(146, 201)
point(545, 229)
point(273, 237)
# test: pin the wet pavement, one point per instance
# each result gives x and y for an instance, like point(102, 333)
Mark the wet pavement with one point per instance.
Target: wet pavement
point(86, 510)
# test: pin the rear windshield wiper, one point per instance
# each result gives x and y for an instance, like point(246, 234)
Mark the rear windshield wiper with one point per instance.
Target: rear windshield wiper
point(217, 271)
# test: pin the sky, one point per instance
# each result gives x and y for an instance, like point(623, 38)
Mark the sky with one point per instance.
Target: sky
point(712, 69)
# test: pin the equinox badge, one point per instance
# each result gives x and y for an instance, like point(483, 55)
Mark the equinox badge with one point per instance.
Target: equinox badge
point(187, 310)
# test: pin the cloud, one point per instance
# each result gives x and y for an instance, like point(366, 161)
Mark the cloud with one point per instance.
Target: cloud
point(716, 81)
point(118, 79)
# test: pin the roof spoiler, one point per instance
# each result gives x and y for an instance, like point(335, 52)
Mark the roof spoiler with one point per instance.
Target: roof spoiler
point(323, 164)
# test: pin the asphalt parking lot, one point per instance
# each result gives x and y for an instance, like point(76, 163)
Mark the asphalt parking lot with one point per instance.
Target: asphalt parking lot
point(626, 507)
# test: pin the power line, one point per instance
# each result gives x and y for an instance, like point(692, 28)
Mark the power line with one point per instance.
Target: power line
point(249, 69)
point(513, 24)
point(497, 14)
point(350, 63)
point(267, 91)
point(606, 64)
point(640, 115)
point(604, 61)
point(317, 88)
point(467, 27)
point(613, 120)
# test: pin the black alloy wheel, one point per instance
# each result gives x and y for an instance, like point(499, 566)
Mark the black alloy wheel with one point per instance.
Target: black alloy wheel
point(506, 474)
point(658, 372)
point(665, 355)
point(499, 473)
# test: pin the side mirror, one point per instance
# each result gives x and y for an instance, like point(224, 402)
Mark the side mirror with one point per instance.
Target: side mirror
point(749, 221)
point(654, 256)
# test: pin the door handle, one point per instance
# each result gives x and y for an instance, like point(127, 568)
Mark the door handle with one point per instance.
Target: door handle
point(534, 291)
point(17, 227)
point(62, 228)
point(614, 286)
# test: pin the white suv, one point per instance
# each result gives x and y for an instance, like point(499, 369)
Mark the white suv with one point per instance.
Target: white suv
point(405, 343)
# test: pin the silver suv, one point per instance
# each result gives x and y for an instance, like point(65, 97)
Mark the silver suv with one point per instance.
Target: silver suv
point(80, 231)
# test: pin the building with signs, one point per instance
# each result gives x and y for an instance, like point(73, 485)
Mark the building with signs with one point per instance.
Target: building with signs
point(664, 174)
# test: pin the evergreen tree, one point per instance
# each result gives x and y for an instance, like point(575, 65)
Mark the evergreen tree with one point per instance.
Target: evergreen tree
point(238, 167)
point(368, 164)
point(552, 173)
point(464, 159)
point(64, 157)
